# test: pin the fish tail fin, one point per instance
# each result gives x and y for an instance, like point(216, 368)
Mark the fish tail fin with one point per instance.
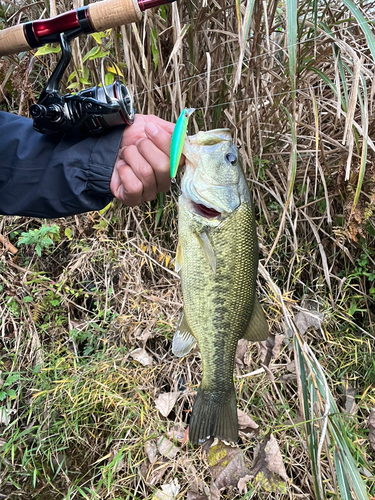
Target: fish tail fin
point(214, 414)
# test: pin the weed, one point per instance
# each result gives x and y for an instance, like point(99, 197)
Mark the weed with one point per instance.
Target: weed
point(42, 238)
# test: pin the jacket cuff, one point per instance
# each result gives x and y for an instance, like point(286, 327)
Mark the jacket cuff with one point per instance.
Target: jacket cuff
point(102, 161)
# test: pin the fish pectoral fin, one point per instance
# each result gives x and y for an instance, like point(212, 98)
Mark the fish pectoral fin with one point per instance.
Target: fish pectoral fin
point(257, 329)
point(183, 339)
point(178, 261)
point(208, 249)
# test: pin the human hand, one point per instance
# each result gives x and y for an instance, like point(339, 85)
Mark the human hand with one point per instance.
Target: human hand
point(142, 166)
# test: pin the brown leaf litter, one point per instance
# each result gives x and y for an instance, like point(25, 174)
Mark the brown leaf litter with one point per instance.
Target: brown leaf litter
point(166, 401)
point(268, 469)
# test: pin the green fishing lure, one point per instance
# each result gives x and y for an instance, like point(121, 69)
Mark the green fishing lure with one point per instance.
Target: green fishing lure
point(178, 139)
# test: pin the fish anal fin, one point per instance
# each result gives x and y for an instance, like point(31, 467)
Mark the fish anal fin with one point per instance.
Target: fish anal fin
point(183, 340)
point(257, 329)
point(208, 249)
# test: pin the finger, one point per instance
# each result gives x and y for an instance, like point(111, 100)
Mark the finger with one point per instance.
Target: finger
point(160, 137)
point(129, 188)
point(165, 125)
point(143, 171)
point(158, 161)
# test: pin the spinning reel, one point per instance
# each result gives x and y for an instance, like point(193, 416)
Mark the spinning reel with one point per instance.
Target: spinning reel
point(93, 111)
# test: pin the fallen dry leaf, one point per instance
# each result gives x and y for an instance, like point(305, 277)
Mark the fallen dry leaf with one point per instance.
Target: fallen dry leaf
point(195, 495)
point(306, 319)
point(153, 473)
point(243, 482)
point(371, 426)
point(240, 352)
point(168, 491)
point(142, 356)
point(270, 348)
point(151, 451)
point(166, 401)
point(167, 448)
point(245, 423)
point(268, 469)
point(349, 395)
point(214, 492)
point(227, 465)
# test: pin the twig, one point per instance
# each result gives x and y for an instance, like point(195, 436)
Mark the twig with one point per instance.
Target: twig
point(6, 243)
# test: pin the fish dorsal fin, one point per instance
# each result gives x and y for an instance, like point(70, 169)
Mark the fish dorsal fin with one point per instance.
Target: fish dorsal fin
point(183, 340)
point(178, 261)
point(208, 249)
point(257, 329)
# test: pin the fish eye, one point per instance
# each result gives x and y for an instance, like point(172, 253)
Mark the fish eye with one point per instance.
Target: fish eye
point(232, 158)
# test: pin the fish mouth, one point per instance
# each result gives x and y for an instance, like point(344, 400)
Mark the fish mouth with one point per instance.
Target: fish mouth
point(206, 212)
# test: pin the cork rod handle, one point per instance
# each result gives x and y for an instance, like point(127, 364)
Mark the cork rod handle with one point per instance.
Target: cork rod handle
point(12, 41)
point(110, 13)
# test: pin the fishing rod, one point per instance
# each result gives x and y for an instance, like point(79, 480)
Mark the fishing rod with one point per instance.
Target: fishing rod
point(94, 110)
point(97, 16)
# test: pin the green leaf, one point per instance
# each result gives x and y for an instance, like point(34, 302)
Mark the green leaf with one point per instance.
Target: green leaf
point(84, 81)
point(91, 53)
point(73, 85)
point(68, 233)
point(99, 55)
point(11, 393)
point(71, 76)
point(13, 377)
point(291, 24)
point(109, 78)
point(163, 12)
point(47, 49)
point(363, 24)
point(154, 47)
point(341, 478)
point(106, 208)
point(98, 36)
point(27, 299)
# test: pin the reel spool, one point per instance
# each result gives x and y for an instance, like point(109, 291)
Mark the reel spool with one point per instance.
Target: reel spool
point(114, 93)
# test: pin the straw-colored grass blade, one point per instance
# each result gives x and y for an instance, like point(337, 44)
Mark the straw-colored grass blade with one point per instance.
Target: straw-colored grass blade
point(244, 33)
point(362, 169)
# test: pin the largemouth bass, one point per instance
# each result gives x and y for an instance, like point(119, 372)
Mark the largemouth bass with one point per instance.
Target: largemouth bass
point(217, 258)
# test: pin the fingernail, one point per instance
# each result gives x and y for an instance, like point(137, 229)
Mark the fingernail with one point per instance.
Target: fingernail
point(151, 129)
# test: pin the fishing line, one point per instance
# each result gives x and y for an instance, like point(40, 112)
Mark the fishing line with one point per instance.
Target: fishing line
point(267, 54)
point(263, 98)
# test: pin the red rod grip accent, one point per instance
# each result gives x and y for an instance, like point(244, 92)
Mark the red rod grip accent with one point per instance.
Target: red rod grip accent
point(58, 24)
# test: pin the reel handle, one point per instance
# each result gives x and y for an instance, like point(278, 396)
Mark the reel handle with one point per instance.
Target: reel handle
point(97, 16)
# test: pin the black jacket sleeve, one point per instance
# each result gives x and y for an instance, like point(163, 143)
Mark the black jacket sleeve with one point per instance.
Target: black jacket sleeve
point(53, 175)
